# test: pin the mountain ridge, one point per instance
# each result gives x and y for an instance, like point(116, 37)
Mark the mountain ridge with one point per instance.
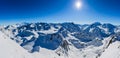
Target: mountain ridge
point(62, 37)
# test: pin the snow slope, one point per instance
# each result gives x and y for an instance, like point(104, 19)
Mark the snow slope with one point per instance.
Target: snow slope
point(63, 40)
point(9, 49)
point(113, 51)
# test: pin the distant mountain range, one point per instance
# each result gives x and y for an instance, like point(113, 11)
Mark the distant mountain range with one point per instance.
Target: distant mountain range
point(61, 40)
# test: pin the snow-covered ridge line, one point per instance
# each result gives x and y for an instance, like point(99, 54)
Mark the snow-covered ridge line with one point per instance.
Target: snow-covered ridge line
point(63, 39)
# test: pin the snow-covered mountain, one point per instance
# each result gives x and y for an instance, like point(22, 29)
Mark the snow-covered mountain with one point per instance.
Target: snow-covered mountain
point(60, 40)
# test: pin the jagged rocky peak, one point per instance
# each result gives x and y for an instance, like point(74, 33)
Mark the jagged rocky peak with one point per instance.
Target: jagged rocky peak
point(108, 25)
point(34, 36)
point(95, 24)
point(64, 39)
point(71, 27)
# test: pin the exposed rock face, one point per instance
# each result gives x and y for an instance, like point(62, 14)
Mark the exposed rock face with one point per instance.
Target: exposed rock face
point(60, 37)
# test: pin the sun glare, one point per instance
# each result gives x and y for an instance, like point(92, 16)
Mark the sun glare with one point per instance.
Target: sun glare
point(78, 4)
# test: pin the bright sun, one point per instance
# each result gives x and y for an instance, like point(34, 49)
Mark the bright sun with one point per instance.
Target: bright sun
point(78, 4)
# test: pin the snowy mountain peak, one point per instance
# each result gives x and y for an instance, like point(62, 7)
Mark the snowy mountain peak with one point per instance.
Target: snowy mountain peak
point(63, 39)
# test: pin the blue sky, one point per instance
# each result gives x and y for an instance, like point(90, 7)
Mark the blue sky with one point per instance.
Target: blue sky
point(58, 11)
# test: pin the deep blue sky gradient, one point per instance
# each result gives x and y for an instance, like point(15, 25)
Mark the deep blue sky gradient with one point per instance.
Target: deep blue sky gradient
point(56, 11)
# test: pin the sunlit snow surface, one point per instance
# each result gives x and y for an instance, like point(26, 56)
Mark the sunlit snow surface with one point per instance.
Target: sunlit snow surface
point(63, 40)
